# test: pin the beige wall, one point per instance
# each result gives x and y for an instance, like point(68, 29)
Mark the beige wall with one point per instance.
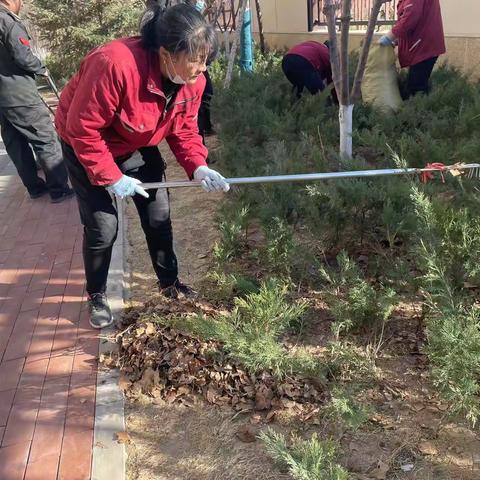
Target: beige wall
point(285, 24)
point(461, 17)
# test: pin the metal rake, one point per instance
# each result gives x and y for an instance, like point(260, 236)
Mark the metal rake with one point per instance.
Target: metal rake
point(456, 170)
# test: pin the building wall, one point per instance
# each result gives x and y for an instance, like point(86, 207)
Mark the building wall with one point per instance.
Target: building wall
point(285, 24)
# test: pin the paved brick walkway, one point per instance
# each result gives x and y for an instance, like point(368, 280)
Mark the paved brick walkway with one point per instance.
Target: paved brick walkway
point(47, 349)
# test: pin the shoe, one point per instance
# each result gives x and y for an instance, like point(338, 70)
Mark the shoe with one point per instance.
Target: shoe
point(100, 313)
point(178, 291)
point(208, 132)
point(60, 197)
point(38, 193)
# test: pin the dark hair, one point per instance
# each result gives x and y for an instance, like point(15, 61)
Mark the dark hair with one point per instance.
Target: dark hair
point(180, 28)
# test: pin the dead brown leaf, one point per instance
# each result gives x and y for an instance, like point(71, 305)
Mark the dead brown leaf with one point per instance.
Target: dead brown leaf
point(123, 437)
point(263, 398)
point(246, 434)
point(123, 382)
point(270, 416)
point(380, 471)
point(167, 365)
point(427, 448)
point(256, 419)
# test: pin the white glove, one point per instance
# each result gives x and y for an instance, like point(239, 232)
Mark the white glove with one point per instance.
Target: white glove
point(127, 187)
point(211, 180)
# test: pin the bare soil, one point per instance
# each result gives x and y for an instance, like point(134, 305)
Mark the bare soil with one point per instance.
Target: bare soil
point(169, 441)
point(410, 424)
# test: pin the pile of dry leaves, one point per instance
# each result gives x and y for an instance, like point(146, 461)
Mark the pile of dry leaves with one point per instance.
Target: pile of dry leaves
point(163, 363)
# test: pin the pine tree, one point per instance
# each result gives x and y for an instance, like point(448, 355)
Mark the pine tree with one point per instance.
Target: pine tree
point(71, 28)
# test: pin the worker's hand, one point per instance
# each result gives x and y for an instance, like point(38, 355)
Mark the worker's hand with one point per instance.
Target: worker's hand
point(44, 73)
point(127, 187)
point(387, 40)
point(211, 180)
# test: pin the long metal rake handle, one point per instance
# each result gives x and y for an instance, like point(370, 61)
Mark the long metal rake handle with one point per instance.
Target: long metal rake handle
point(312, 176)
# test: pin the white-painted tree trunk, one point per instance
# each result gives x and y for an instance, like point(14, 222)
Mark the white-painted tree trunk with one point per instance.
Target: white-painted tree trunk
point(346, 130)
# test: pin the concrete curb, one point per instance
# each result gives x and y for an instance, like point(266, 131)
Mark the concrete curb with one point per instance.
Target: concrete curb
point(109, 456)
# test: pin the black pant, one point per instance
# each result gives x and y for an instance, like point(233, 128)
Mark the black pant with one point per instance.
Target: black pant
point(30, 127)
point(302, 74)
point(204, 121)
point(98, 212)
point(418, 80)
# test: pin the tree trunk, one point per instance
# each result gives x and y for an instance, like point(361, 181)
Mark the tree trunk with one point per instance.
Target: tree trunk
point(345, 115)
point(340, 66)
point(344, 54)
point(236, 40)
point(260, 26)
point(329, 11)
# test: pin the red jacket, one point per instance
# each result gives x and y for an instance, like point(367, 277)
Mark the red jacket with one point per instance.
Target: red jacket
point(114, 105)
point(317, 54)
point(419, 30)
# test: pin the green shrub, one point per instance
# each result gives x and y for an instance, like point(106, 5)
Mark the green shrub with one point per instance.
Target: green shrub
point(233, 230)
point(353, 301)
point(280, 246)
point(312, 459)
point(345, 409)
point(227, 285)
point(251, 332)
point(71, 29)
point(447, 245)
point(413, 248)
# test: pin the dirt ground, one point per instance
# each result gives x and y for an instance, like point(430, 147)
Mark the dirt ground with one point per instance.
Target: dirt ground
point(410, 425)
point(172, 442)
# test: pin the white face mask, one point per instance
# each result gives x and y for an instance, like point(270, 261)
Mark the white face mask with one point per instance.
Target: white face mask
point(200, 5)
point(176, 78)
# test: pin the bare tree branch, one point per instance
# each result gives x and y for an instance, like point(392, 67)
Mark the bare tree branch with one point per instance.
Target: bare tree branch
point(329, 10)
point(344, 54)
point(362, 62)
point(260, 26)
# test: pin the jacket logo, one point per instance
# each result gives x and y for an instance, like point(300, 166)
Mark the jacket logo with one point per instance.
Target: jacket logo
point(24, 41)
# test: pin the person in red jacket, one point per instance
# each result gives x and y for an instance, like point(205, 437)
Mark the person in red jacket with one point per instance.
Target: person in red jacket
point(307, 65)
point(418, 33)
point(127, 97)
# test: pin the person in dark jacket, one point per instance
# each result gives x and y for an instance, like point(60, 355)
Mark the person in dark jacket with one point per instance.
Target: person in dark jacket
point(205, 126)
point(129, 95)
point(307, 65)
point(24, 119)
point(418, 33)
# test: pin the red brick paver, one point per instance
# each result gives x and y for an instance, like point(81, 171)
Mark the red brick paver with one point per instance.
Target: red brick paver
point(48, 353)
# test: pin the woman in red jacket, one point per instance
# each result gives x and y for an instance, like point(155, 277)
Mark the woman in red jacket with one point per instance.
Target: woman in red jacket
point(419, 35)
point(127, 97)
point(307, 65)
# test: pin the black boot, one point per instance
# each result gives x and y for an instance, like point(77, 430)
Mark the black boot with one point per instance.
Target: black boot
point(178, 291)
point(60, 197)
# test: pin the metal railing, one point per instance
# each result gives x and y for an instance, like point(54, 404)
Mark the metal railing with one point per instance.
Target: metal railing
point(360, 13)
